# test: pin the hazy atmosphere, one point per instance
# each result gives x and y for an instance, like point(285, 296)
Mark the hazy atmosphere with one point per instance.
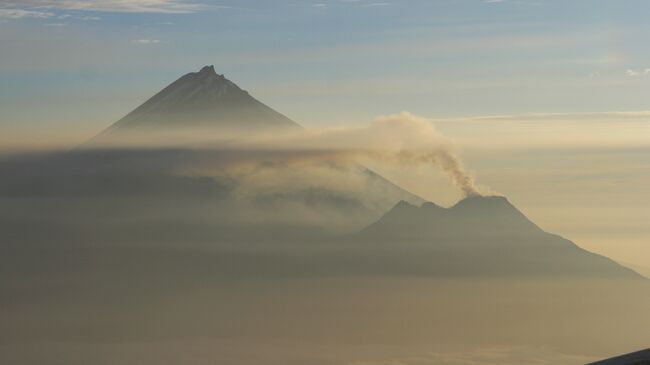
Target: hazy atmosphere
point(354, 182)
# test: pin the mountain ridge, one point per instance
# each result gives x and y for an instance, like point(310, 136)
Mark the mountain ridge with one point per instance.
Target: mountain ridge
point(482, 236)
point(476, 210)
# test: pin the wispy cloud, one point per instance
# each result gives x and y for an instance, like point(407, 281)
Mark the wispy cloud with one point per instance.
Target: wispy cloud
point(538, 131)
point(130, 6)
point(21, 13)
point(146, 41)
point(89, 18)
point(367, 5)
point(349, 3)
point(505, 355)
point(634, 73)
point(514, 2)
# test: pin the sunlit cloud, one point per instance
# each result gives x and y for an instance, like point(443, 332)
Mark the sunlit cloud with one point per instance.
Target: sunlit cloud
point(512, 355)
point(21, 13)
point(146, 41)
point(89, 18)
point(375, 4)
point(634, 73)
point(602, 130)
point(130, 6)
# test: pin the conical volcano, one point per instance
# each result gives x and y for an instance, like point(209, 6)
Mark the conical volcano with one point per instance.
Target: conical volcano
point(202, 99)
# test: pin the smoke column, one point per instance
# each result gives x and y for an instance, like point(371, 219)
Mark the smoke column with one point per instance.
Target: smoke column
point(453, 167)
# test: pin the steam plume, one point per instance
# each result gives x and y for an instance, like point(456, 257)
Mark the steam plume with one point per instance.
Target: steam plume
point(401, 138)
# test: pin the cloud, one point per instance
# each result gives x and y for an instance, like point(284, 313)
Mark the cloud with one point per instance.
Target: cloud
point(639, 115)
point(633, 73)
point(130, 6)
point(364, 3)
point(368, 5)
point(485, 356)
point(21, 13)
point(146, 41)
point(541, 131)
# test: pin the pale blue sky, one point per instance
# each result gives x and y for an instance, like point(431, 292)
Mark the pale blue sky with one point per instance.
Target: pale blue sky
point(83, 64)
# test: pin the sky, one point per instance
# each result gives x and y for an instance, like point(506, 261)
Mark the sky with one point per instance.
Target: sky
point(324, 61)
point(546, 99)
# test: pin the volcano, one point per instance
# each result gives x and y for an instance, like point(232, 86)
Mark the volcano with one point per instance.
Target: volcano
point(197, 101)
point(480, 235)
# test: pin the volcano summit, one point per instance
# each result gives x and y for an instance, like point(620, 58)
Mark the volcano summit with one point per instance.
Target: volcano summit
point(204, 100)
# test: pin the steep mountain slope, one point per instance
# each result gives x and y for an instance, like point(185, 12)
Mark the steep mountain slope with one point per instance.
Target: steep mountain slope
point(482, 235)
point(202, 99)
point(636, 358)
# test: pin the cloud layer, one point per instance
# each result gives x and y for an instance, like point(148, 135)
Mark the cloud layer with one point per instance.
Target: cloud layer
point(127, 6)
point(21, 13)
